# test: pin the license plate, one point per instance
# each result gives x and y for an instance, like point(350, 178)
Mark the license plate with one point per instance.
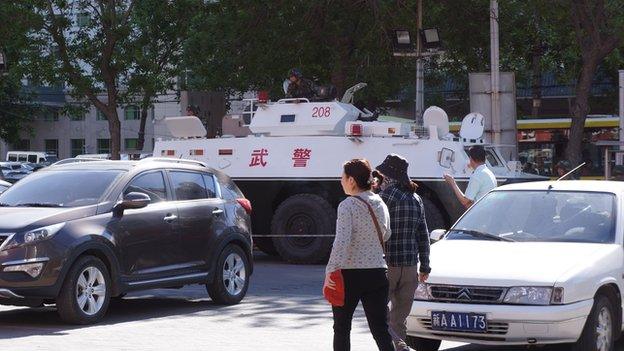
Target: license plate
point(458, 321)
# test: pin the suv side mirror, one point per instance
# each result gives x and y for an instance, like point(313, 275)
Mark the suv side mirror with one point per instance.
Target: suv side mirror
point(437, 234)
point(132, 200)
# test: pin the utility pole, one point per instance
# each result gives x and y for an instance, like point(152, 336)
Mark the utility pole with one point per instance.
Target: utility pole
point(494, 72)
point(420, 75)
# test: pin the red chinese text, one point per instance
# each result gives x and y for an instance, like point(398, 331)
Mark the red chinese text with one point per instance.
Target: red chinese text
point(257, 157)
point(301, 157)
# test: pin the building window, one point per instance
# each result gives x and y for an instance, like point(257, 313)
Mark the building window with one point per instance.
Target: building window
point(50, 115)
point(22, 145)
point(99, 116)
point(77, 147)
point(51, 146)
point(103, 146)
point(132, 113)
point(83, 19)
point(131, 144)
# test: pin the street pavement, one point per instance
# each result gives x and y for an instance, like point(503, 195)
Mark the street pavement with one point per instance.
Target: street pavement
point(283, 310)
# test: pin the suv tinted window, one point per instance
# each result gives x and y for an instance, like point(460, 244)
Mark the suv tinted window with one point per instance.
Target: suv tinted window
point(210, 185)
point(188, 185)
point(12, 158)
point(152, 184)
point(32, 158)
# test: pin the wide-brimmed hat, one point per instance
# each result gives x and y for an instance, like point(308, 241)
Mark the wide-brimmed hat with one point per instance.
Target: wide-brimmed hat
point(395, 167)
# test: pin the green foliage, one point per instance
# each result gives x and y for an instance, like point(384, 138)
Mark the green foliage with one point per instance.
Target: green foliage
point(240, 45)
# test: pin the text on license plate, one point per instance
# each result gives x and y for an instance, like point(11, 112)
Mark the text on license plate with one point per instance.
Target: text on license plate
point(458, 321)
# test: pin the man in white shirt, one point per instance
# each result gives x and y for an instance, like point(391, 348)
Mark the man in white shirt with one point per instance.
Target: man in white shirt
point(481, 181)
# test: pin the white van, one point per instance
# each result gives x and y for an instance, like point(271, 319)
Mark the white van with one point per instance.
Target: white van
point(31, 157)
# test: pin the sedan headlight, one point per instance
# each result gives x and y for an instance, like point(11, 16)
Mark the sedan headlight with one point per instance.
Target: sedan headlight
point(422, 292)
point(529, 295)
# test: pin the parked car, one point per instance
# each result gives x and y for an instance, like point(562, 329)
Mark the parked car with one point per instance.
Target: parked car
point(80, 233)
point(4, 186)
point(528, 264)
point(13, 171)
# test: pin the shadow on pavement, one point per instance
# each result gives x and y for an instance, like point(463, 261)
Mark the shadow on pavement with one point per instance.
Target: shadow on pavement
point(276, 290)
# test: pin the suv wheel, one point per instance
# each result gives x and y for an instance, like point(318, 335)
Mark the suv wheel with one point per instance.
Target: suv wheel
point(231, 278)
point(85, 293)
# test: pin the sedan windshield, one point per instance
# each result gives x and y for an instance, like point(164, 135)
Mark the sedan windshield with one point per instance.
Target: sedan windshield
point(556, 216)
point(59, 189)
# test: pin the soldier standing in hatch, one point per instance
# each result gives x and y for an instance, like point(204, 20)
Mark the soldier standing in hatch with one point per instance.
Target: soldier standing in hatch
point(299, 87)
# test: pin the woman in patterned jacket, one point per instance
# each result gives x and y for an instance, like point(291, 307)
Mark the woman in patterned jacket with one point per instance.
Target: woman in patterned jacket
point(359, 254)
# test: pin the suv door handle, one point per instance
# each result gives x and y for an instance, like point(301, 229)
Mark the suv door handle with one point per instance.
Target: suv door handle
point(217, 211)
point(170, 218)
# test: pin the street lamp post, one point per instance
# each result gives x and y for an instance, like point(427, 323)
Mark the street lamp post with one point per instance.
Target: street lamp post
point(420, 75)
point(494, 72)
point(427, 44)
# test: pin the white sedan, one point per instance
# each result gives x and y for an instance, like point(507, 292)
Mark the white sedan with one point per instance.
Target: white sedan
point(529, 264)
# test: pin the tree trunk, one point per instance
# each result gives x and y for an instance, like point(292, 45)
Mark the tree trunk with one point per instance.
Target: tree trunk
point(145, 104)
point(580, 109)
point(536, 76)
point(114, 127)
point(536, 88)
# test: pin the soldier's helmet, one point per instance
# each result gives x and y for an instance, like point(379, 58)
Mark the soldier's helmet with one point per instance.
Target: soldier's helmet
point(296, 72)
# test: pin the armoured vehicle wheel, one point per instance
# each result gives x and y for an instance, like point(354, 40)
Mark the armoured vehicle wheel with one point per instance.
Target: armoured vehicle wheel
point(298, 216)
point(265, 245)
point(435, 219)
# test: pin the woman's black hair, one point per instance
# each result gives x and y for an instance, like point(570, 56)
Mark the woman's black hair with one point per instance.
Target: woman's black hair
point(360, 170)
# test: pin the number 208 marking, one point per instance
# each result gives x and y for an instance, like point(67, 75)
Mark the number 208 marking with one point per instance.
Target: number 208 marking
point(320, 112)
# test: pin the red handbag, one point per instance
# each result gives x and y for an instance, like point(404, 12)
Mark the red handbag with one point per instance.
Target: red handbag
point(336, 296)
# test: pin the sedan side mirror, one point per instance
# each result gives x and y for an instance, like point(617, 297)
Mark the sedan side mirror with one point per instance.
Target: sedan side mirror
point(437, 234)
point(133, 200)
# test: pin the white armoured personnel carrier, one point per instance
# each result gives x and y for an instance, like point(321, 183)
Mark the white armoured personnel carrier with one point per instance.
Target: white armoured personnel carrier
point(290, 167)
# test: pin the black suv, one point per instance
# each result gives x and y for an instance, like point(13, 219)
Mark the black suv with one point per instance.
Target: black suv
point(78, 234)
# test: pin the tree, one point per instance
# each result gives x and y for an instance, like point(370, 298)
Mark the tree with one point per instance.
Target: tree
point(15, 108)
point(108, 52)
point(241, 45)
point(599, 29)
point(158, 29)
point(16, 105)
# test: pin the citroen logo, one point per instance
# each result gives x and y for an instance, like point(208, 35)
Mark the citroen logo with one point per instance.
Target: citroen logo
point(464, 294)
